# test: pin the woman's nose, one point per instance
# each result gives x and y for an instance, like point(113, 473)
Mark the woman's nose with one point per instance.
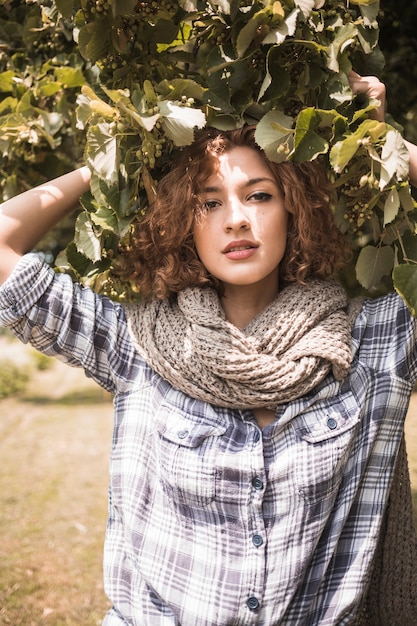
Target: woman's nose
point(236, 216)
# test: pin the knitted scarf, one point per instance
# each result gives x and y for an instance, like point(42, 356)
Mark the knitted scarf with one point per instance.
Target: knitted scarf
point(282, 354)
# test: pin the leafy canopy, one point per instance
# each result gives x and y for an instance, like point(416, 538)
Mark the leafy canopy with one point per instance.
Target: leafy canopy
point(129, 82)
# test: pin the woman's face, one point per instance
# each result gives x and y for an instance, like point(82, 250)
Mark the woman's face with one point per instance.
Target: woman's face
point(241, 235)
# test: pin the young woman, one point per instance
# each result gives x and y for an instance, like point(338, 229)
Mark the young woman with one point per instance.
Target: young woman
point(258, 415)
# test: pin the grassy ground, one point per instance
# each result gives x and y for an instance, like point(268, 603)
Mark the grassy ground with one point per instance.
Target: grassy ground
point(54, 448)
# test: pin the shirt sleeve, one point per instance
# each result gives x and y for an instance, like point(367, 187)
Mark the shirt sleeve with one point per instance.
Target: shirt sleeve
point(386, 337)
point(64, 319)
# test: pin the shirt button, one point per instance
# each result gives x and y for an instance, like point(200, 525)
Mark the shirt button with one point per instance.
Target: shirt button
point(332, 423)
point(257, 483)
point(182, 434)
point(257, 540)
point(252, 603)
point(257, 436)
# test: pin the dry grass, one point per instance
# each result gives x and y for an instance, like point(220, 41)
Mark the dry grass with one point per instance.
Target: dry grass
point(54, 448)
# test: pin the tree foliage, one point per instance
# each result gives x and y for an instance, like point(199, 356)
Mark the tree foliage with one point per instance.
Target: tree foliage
point(398, 41)
point(123, 85)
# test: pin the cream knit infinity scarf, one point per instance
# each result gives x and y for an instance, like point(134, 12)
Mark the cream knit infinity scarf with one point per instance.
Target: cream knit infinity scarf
point(281, 355)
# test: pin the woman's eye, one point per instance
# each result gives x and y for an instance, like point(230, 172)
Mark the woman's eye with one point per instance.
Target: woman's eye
point(260, 196)
point(209, 205)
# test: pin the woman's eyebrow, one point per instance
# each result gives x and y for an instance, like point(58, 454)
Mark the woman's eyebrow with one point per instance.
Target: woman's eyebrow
point(211, 189)
point(261, 179)
point(248, 183)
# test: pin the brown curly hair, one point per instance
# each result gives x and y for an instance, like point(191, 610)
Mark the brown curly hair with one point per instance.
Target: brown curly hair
point(161, 258)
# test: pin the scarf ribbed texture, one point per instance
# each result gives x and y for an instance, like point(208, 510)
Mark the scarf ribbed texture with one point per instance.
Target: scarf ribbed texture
point(282, 354)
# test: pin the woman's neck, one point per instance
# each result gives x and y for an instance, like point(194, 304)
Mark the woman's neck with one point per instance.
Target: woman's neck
point(242, 306)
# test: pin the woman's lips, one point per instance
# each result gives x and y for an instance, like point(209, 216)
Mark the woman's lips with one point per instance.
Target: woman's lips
point(237, 250)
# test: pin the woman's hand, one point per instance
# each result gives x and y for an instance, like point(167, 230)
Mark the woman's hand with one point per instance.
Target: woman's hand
point(372, 87)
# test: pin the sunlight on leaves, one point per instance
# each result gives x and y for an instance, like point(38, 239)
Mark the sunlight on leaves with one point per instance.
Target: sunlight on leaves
point(179, 122)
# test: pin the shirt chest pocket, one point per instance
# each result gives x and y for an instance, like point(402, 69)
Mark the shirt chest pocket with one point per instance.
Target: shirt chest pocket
point(323, 441)
point(187, 450)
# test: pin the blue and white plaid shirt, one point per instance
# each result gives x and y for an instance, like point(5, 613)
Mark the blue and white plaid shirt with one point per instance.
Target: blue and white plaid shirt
point(213, 522)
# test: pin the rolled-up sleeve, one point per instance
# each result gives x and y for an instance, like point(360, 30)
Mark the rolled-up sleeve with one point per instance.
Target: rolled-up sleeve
point(64, 319)
point(23, 288)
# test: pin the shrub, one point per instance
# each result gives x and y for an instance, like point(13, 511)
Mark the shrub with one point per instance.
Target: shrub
point(42, 361)
point(12, 378)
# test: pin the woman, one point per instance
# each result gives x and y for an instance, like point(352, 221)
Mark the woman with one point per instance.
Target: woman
point(258, 415)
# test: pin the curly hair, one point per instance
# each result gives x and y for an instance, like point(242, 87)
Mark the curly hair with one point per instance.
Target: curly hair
point(161, 258)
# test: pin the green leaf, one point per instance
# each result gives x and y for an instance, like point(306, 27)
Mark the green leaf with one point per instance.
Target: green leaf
point(287, 29)
point(184, 35)
point(373, 264)
point(120, 7)
point(309, 147)
point(391, 206)
point(102, 153)
point(370, 13)
point(47, 88)
point(306, 6)
point(94, 40)
point(409, 246)
point(25, 107)
point(7, 81)
point(344, 36)
point(164, 32)
point(247, 34)
point(70, 77)
point(179, 122)
point(31, 29)
point(71, 259)
point(277, 80)
point(405, 284)
point(272, 131)
point(218, 93)
point(406, 199)
point(175, 89)
point(394, 158)
point(86, 240)
point(128, 109)
point(106, 218)
point(90, 105)
point(52, 122)
point(368, 38)
point(308, 143)
point(343, 151)
point(65, 7)
point(8, 105)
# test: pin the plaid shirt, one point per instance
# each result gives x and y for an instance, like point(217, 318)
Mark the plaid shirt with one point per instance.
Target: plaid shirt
point(213, 522)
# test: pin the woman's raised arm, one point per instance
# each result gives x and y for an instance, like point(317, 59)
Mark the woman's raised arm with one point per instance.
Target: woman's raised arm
point(26, 218)
point(374, 88)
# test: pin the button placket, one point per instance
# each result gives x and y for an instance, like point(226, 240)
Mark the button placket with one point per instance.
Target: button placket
point(256, 525)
